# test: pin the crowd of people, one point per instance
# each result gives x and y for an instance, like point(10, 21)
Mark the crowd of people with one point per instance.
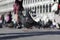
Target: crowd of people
point(19, 21)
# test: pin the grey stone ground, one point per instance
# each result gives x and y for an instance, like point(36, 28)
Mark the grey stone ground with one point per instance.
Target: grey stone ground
point(29, 34)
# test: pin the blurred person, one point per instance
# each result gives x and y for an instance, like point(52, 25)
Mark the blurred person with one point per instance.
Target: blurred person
point(3, 18)
point(58, 7)
point(55, 7)
point(0, 21)
point(18, 10)
point(16, 7)
point(15, 16)
point(3, 21)
point(53, 24)
point(14, 19)
point(10, 17)
point(6, 18)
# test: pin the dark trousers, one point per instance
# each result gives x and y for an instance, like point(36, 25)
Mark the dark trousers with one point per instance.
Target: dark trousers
point(0, 25)
point(21, 18)
point(15, 25)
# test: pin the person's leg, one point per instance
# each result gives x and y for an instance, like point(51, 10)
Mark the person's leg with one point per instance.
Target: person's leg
point(15, 25)
point(0, 25)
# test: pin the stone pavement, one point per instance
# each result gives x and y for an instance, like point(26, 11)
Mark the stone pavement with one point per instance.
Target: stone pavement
point(29, 34)
point(13, 30)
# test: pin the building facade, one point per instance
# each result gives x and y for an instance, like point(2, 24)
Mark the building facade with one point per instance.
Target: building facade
point(6, 5)
point(42, 8)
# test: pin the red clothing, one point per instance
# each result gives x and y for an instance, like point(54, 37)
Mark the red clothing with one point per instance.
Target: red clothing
point(59, 6)
point(16, 7)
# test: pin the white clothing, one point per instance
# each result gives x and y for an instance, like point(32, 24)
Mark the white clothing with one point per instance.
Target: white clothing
point(0, 21)
point(55, 6)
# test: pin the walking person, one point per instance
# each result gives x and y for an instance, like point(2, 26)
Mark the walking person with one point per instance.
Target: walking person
point(18, 11)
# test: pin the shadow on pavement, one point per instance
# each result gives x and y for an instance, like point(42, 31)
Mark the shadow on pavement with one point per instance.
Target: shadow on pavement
point(27, 34)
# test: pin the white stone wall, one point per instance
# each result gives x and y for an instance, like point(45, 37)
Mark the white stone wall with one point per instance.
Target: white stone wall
point(6, 5)
point(41, 12)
